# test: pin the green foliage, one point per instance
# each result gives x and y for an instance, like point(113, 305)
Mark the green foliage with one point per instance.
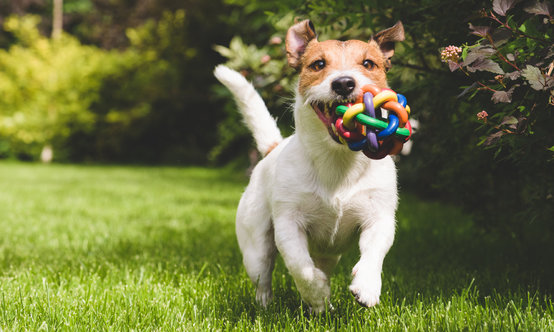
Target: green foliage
point(51, 88)
point(152, 102)
point(77, 6)
point(132, 105)
point(519, 51)
point(47, 86)
point(510, 67)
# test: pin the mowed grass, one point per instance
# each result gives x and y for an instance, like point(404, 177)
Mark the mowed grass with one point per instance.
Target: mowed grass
point(149, 248)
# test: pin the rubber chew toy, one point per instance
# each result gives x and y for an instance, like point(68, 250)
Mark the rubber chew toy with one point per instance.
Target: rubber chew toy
point(362, 127)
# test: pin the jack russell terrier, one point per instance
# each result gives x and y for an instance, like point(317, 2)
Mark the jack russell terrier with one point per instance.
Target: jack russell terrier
point(310, 197)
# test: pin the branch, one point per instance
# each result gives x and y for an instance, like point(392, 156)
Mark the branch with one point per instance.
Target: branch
point(505, 25)
point(489, 38)
point(483, 86)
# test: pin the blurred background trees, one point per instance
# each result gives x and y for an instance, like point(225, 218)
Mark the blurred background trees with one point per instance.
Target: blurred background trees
point(130, 81)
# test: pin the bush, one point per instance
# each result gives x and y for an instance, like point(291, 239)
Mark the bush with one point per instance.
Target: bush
point(90, 104)
point(51, 89)
point(510, 67)
point(505, 180)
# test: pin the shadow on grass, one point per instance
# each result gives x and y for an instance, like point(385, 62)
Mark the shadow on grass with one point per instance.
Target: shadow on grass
point(439, 249)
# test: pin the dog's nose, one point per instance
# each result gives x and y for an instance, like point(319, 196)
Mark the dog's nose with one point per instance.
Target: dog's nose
point(343, 85)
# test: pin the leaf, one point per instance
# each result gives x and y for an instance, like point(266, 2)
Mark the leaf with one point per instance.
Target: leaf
point(510, 57)
point(502, 6)
point(479, 52)
point(539, 8)
point(535, 78)
point(501, 36)
point(481, 31)
point(501, 97)
point(493, 138)
point(465, 49)
point(224, 51)
point(467, 89)
point(509, 120)
point(513, 75)
point(521, 124)
point(504, 96)
point(453, 65)
point(484, 64)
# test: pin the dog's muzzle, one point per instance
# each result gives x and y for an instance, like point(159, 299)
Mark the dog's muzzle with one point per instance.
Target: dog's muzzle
point(326, 113)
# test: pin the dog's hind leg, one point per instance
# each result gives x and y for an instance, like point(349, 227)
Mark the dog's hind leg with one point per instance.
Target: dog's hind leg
point(255, 236)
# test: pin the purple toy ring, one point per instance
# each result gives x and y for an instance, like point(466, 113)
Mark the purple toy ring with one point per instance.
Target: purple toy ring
point(370, 110)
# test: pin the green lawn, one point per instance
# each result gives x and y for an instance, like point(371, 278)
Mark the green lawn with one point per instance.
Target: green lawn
point(148, 248)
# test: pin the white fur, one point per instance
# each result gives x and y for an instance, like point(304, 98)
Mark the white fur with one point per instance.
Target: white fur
point(254, 111)
point(322, 91)
point(308, 200)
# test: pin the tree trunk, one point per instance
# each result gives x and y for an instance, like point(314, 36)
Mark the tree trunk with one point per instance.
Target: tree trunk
point(57, 21)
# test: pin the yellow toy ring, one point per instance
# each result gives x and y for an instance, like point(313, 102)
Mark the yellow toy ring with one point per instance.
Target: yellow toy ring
point(350, 114)
point(384, 96)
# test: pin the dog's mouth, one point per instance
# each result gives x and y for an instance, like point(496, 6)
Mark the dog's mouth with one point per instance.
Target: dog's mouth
point(327, 114)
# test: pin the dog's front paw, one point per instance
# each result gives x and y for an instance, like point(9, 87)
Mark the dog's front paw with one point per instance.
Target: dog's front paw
point(366, 287)
point(264, 297)
point(314, 288)
point(366, 298)
point(318, 311)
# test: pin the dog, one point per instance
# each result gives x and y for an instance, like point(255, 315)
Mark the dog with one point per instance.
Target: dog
point(309, 198)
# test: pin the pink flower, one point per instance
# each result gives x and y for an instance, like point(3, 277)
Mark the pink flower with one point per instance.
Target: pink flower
point(451, 53)
point(482, 116)
point(275, 40)
point(265, 59)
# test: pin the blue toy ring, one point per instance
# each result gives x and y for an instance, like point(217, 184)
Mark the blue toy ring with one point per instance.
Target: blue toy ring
point(391, 128)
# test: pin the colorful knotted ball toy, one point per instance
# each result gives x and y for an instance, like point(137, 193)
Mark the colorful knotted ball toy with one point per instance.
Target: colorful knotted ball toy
point(363, 128)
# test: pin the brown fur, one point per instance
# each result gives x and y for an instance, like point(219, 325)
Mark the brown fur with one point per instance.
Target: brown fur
point(273, 146)
point(341, 55)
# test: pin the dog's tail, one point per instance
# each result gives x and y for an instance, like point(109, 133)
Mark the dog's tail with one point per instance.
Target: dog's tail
point(253, 109)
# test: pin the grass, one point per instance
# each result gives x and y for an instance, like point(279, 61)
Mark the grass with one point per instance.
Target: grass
point(144, 248)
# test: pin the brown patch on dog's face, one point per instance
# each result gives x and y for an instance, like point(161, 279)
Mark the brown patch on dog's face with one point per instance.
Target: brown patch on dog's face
point(322, 58)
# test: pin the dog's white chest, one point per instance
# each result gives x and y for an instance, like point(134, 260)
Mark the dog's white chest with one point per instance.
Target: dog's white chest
point(328, 222)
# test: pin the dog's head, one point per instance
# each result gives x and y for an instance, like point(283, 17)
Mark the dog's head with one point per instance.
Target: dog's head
point(332, 72)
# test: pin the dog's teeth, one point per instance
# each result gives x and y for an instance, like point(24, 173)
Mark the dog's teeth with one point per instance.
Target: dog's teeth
point(334, 129)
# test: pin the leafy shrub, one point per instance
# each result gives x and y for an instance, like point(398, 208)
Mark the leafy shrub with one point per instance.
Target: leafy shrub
point(133, 105)
point(513, 62)
point(511, 66)
point(47, 87)
point(50, 89)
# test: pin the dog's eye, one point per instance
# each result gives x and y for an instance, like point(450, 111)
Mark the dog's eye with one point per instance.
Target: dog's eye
point(318, 65)
point(368, 64)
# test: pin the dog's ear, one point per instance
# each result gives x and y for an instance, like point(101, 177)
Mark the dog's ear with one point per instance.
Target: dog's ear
point(298, 37)
point(388, 37)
